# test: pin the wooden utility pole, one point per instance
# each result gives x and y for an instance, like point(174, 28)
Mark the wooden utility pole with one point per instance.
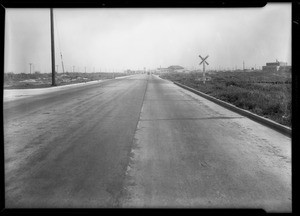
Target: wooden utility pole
point(62, 63)
point(30, 67)
point(52, 48)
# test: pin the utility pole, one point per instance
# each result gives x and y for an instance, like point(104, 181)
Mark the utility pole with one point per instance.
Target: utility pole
point(30, 67)
point(243, 66)
point(85, 69)
point(52, 48)
point(62, 63)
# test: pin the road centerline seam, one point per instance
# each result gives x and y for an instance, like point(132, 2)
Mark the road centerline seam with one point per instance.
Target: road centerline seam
point(123, 191)
point(207, 118)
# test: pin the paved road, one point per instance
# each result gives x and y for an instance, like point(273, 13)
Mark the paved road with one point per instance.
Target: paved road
point(140, 142)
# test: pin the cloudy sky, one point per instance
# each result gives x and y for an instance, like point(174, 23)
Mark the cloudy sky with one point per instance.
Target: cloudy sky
point(119, 39)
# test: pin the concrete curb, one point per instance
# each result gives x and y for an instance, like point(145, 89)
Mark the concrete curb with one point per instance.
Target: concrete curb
point(14, 94)
point(272, 124)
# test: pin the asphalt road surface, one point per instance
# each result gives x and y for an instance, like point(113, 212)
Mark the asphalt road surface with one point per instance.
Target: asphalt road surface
point(140, 142)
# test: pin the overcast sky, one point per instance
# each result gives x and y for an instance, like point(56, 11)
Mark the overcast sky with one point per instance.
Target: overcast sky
point(118, 39)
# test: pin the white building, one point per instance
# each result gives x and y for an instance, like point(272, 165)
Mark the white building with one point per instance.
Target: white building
point(276, 66)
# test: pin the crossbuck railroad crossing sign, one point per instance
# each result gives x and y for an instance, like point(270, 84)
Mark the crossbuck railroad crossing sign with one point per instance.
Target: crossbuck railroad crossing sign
point(203, 62)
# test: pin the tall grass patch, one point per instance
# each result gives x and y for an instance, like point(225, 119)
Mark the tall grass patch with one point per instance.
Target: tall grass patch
point(265, 94)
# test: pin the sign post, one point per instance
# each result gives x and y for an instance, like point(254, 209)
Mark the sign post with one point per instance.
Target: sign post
point(204, 62)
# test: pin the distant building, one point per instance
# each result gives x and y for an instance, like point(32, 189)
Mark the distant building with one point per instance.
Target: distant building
point(128, 71)
point(285, 68)
point(277, 63)
point(176, 68)
point(172, 68)
point(162, 70)
point(276, 66)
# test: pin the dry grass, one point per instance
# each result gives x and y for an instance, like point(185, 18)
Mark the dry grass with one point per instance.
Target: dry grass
point(39, 80)
point(266, 94)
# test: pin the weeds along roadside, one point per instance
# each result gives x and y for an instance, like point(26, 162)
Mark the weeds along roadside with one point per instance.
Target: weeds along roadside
point(264, 94)
point(42, 80)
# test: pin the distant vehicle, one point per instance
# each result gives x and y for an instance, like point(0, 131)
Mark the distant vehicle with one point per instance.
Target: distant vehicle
point(148, 73)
